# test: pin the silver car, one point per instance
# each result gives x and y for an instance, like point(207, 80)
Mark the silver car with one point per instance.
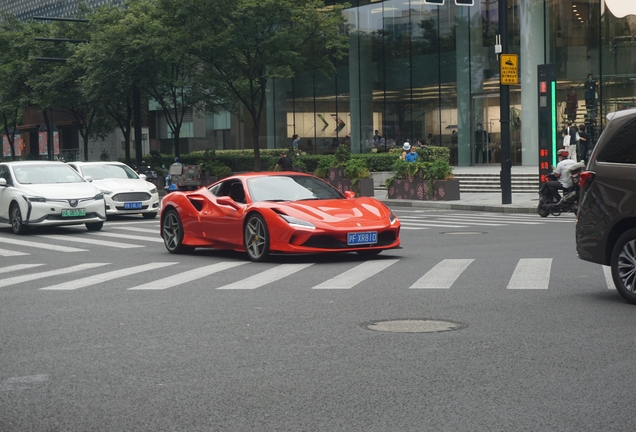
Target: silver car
point(124, 190)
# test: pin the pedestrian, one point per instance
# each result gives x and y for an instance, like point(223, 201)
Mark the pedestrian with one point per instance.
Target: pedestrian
point(405, 150)
point(481, 144)
point(572, 104)
point(583, 143)
point(590, 97)
point(294, 144)
point(570, 140)
point(284, 163)
point(411, 156)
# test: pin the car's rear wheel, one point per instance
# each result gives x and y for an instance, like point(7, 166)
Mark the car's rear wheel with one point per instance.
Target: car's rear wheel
point(149, 215)
point(172, 233)
point(624, 265)
point(256, 238)
point(94, 226)
point(15, 215)
point(368, 253)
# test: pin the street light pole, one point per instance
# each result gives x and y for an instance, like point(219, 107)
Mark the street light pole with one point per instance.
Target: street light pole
point(504, 98)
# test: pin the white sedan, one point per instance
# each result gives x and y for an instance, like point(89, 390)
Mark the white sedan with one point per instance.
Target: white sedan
point(43, 193)
point(124, 190)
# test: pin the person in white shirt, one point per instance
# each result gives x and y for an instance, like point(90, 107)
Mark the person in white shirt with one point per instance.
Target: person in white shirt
point(564, 181)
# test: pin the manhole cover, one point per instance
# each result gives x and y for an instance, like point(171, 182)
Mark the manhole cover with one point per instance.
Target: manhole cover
point(464, 232)
point(413, 326)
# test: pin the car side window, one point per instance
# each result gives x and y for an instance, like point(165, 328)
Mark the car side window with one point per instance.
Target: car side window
point(5, 174)
point(621, 148)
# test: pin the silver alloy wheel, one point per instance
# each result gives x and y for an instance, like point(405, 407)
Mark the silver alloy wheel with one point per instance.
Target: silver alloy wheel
point(16, 219)
point(627, 265)
point(256, 241)
point(171, 231)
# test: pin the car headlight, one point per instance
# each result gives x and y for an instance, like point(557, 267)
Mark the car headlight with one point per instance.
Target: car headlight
point(33, 198)
point(392, 218)
point(99, 196)
point(107, 192)
point(153, 190)
point(297, 222)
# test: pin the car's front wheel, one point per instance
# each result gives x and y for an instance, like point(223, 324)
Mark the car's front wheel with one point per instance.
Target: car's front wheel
point(256, 238)
point(624, 265)
point(172, 233)
point(15, 215)
point(94, 226)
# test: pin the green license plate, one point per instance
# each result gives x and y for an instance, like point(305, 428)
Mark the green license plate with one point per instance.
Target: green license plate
point(73, 212)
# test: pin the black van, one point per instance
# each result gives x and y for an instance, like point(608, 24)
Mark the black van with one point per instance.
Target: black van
point(606, 220)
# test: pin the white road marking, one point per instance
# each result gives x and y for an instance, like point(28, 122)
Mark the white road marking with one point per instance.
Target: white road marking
point(128, 237)
point(77, 239)
point(8, 253)
point(266, 277)
point(105, 277)
point(443, 275)
point(412, 228)
point(465, 222)
point(144, 230)
point(50, 273)
point(112, 224)
point(609, 280)
point(37, 245)
point(358, 274)
point(439, 225)
point(531, 273)
point(187, 276)
point(499, 219)
point(18, 267)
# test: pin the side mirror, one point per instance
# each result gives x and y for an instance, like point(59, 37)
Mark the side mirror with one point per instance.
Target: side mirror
point(3, 182)
point(227, 201)
point(88, 178)
point(350, 194)
point(143, 176)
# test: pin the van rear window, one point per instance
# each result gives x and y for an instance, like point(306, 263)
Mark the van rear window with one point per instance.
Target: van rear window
point(622, 146)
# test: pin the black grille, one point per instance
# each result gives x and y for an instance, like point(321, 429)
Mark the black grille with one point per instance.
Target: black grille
point(328, 242)
point(131, 196)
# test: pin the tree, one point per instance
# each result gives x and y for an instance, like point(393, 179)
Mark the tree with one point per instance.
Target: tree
point(245, 43)
point(16, 40)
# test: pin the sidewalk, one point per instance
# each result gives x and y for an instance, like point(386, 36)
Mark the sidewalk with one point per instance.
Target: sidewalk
point(489, 202)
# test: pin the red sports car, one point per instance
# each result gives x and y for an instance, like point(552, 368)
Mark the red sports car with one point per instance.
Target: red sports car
point(263, 213)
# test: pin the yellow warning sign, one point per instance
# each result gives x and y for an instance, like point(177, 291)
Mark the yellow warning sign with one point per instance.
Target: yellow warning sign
point(509, 69)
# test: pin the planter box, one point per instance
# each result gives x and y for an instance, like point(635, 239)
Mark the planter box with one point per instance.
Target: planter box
point(420, 189)
point(339, 181)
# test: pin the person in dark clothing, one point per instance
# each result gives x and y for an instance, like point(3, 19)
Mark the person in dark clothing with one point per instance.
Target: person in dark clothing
point(590, 97)
point(284, 163)
point(481, 144)
point(581, 152)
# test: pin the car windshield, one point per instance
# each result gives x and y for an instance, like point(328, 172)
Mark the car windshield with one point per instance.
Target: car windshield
point(108, 171)
point(290, 188)
point(46, 174)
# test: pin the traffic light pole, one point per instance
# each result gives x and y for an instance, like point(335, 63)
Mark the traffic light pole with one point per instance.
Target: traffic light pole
point(504, 99)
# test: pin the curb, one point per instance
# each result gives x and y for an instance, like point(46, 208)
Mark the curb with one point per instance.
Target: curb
point(502, 208)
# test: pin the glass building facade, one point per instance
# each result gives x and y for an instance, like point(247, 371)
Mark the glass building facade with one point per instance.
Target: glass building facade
point(421, 71)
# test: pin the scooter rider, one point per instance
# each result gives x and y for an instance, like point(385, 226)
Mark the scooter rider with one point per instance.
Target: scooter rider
point(560, 172)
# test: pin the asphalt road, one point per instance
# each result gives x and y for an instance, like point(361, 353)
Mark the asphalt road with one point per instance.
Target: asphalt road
point(148, 341)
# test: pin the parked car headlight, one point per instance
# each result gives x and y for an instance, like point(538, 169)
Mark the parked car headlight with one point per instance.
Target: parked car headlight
point(33, 198)
point(100, 196)
point(107, 192)
point(153, 190)
point(298, 222)
point(392, 218)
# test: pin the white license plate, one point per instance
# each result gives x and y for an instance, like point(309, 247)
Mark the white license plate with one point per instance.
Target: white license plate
point(132, 205)
point(73, 212)
point(362, 238)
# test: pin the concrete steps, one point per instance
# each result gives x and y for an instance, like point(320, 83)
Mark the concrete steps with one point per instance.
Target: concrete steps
point(485, 183)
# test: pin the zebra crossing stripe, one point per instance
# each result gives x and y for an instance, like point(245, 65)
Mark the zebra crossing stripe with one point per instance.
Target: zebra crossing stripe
point(266, 277)
point(8, 253)
point(129, 237)
point(531, 273)
point(498, 219)
point(37, 245)
point(358, 274)
point(50, 273)
point(444, 219)
point(609, 280)
point(427, 224)
point(105, 277)
point(78, 239)
point(443, 275)
point(187, 276)
point(412, 228)
point(18, 267)
point(142, 230)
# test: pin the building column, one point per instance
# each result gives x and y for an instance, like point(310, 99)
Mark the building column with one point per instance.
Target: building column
point(360, 90)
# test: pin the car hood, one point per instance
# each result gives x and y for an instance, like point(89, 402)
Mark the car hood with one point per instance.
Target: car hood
point(61, 191)
point(121, 184)
point(341, 212)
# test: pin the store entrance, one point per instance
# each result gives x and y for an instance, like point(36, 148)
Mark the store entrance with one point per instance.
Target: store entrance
point(486, 131)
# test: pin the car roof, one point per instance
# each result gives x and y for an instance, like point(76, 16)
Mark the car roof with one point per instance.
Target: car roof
point(78, 163)
point(33, 162)
point(620, 114)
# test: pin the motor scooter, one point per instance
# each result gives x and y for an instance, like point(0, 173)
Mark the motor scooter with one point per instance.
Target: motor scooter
point(548, 205)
